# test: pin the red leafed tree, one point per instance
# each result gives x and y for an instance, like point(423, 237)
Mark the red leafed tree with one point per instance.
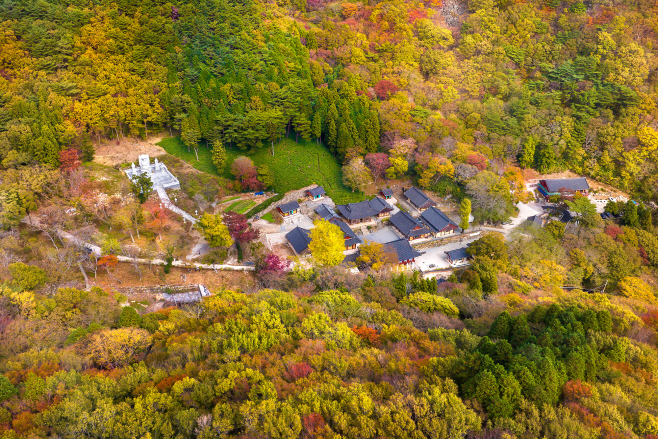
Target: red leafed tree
point(297, 371)
point(159, 216)
point(378, 163)
point(477, 160)
point(239, 228)
point(251, 183)
point(650, 319)
point(613, 231)
point(313, 424)
point(416, 14)
point(166, 383)
point(273, 263)
point(245, 170)
point(369, 335)
point(243, 167)
point(69, 160)
point(385, 89)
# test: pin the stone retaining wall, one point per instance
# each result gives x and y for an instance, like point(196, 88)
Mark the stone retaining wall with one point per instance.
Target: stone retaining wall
point(290, 196)
point(443, 241)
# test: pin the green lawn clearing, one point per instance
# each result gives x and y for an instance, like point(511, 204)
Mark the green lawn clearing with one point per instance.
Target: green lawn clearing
point(268, 217)
point(294, 165)
point(241, 206)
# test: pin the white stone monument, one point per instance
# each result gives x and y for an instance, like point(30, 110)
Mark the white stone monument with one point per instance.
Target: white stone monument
point(158, 172)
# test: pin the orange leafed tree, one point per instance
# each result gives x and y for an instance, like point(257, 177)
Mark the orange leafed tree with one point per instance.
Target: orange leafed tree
point(349, 9)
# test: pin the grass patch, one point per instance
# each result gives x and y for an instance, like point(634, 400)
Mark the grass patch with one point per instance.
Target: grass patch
point(268, 217)
point(241, 206)
point(231, 199)
point(294, 165)
point(262, 206)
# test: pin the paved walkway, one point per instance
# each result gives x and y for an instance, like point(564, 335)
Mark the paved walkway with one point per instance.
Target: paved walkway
point(166, 202)
point(434, 259)
point(97, 251)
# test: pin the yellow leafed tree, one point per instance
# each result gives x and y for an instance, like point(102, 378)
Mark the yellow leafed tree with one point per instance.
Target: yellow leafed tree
point(327, 243)
point(114, 348)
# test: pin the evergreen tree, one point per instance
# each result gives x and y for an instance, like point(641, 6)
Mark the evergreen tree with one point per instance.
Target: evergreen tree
point(371, 135)
point(527, 158)
point(464, 213)
point(316, 127)
point(219, 156)
point(644, 216)
point(141, 187)
point(129, 317)
point(303, 127)
point(631, 217)
point(332, 135)
point(547, 159)
point(191, 133)
point(344, 142)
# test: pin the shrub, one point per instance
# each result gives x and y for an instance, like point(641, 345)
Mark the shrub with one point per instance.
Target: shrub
point(431, 303)
point(27, 277)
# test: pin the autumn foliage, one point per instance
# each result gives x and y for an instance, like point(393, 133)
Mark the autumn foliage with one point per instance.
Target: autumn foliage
point(575, 390)
point(385, 89)
point(369, 335)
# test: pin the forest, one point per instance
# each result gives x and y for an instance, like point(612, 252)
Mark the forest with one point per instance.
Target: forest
point(549, 334)
point(418, 86)
point(499, 350)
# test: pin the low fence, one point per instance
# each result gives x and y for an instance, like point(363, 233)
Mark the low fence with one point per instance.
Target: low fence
point(437, 242)
point(183, 264)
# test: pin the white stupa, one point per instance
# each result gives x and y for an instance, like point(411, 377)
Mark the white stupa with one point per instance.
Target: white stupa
point(160, 175)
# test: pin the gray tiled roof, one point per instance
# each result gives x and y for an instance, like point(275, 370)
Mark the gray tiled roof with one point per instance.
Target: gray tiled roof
point(299, 239)
point(387, 191)
point(364, 209)
point(350, 236)
point(406, 224)
point(436, 220)
point(326, 212)
point(403, 250)
point(459, 253)
point(418, 198)
point(319, 190)
point(288, 207)
point(379, 204)
point(573, 184)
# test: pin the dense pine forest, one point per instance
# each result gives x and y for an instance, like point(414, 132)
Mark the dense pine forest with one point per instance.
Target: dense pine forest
point(549, 333)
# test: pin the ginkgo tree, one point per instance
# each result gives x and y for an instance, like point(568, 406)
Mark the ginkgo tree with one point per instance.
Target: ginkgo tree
point(327, 243)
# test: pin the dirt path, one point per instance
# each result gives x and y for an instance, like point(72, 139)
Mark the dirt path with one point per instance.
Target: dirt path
point(113, 152)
